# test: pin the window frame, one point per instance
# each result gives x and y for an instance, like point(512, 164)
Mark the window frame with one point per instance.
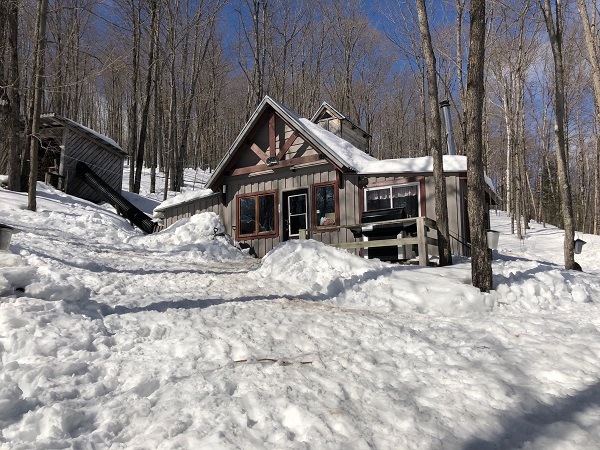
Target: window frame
point(264, 234)
point(317, 227)
point(391, 187)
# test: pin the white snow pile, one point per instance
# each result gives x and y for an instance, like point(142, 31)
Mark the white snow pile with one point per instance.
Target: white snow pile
point(113, 339)
point(313, 266)
point(202, 233)
point(339, 277)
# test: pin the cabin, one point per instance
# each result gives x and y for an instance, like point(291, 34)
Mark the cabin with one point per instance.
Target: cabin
point(64, 143)
point(284, 174)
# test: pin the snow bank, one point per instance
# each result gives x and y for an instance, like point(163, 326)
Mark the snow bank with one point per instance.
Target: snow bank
point(314, 266)
point(533, 286)
point(59, 213)
point(202, 233)
point(346, 280)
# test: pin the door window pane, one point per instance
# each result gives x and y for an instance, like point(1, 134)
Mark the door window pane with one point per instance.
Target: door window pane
point(298, 204)
point(296, 224)
point(297, 213)
point(247, 215)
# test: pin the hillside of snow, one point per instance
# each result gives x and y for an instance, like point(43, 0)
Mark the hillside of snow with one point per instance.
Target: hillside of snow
point(113, 339)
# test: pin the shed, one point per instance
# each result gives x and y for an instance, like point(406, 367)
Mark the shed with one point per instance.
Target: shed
point(64, 143)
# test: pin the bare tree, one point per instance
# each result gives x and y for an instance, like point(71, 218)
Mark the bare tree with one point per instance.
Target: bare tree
point(255, 35)
point(40, 51)
point(139, 159)
point(554, 26)
point(10, 96)
point(435, 138)
point(481, 267)
point(593, 50)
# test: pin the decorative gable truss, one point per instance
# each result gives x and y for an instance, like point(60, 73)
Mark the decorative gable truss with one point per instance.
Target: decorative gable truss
point(271, 144)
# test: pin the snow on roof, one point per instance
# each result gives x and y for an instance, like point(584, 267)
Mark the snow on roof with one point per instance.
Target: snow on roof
point(452, 163)
point(182, 198)
point(53, 118)
point(347, 153)
point(365, 164)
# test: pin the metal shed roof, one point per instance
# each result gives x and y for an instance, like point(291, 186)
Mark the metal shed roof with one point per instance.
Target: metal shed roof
point(53, 120)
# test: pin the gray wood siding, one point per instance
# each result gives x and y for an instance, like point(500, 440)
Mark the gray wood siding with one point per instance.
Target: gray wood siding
point(105, 163)
point(205, 204)
point(354, 136)
point(350, 197)
point(346, 131)
point(281, 181)
point(455, 209)
point(454, 195)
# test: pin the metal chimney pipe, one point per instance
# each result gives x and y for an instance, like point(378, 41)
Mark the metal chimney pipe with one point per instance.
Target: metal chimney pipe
point(445, 106)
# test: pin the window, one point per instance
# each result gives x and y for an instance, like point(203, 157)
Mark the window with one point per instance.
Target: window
point(256, 214)
point(400, 196)
point(297, 214)
point(325, 205)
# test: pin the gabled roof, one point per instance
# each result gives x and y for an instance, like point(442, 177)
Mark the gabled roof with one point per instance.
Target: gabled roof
point(53, 120)
point(340, 152)
point(304, 127)
point(326, 107)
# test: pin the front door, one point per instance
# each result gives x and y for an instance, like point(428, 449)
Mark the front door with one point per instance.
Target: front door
point(295, 213)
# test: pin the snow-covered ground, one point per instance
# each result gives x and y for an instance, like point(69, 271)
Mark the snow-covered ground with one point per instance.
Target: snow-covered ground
point(113, 339)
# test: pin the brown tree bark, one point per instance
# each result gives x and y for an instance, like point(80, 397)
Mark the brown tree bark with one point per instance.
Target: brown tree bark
point(11, 111)
point(133, 112)
point(481, 267)
point(139, 159)
point(40, 51)
point(434, 138)
point(554, 28)
point(591, 45)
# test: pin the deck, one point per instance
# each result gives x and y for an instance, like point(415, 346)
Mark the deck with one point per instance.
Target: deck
point(423, 225)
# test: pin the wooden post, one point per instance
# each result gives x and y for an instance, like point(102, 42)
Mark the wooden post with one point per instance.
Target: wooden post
point(422, 241)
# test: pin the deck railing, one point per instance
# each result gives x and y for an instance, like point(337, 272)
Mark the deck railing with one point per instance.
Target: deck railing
point(423, 225)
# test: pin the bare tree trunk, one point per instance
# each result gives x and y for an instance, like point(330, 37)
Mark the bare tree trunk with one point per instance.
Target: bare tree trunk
point(12, 110)
point(423, 113)
point(139, 160)
point(40, 51)
point(157, 114)
point(481, 267)
point(597, 184)
point(593, 55)
point(555, 35)
point(435, 138)
point(133, 113)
